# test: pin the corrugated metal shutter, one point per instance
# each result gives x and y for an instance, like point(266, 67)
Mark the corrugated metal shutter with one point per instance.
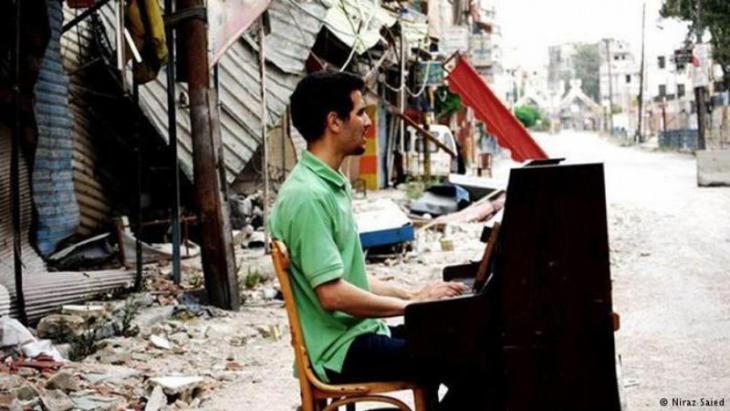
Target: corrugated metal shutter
point(94, 202)
point(294, 30)
point(31, 261)
point(53, 190)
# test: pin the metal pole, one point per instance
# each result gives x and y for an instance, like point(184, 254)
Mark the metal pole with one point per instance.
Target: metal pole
point(639, 138)
point(700, 90)
point(402, 98)
point(610, 86)
point(172, 139)
point(138, 138)
point(264, 145)
point(217, 248)
point(15, 172)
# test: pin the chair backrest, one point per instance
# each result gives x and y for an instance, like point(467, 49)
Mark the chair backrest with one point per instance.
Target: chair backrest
point(280, 257)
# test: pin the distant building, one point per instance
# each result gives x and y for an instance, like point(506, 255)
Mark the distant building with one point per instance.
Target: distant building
point(670, 93)
point(623, 82)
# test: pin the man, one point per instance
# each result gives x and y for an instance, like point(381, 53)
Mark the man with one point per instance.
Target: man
point(339, 305)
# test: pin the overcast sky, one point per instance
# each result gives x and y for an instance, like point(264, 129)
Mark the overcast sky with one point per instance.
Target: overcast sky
point(530, 26)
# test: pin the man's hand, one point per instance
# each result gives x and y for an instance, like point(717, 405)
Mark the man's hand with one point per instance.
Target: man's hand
point(439, 290)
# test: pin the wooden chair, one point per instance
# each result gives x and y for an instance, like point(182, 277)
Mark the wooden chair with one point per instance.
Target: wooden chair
point(316, 393)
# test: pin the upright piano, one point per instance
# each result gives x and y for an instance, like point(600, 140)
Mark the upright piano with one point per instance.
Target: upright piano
point(539, 334)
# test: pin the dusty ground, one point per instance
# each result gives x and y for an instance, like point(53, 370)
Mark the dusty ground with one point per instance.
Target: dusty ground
point(670, 255)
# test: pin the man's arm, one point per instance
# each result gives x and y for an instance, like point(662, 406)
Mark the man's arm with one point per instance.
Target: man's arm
point(339, 295)
point(432, 291)
point(385, 300)
point(383, 288)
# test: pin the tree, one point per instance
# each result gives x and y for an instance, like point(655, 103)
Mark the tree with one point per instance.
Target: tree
point(527, 115)
point(586, 64)
point(715, 17)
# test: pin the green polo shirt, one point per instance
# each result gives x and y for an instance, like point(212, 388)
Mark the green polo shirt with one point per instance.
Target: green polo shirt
point(313, 217)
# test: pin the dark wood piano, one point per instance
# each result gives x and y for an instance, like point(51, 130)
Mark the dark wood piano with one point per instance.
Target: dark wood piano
point(539, 334)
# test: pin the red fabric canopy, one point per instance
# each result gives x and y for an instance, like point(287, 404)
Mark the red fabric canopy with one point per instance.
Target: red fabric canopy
point(465, 81)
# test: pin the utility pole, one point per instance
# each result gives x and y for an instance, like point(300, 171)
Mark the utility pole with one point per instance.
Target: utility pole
point(15, 171)
point(219, 266)
point(700, 89)
point(264, 115)
point(402, 99)
point(172, 146)
point(639, 138)
point(610, 86)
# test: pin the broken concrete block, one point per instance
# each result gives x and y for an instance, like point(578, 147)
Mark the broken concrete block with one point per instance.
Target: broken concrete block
point(84, 311)
point(93, 402)
point(157, 399)
point(63, 381)
point(111, 373)
point(178, 385)
point(160, 342)
point(112, 355)
point(10, 382)
point(25, 392)
point(713, 168)
point(56, 400)
point(60, 326)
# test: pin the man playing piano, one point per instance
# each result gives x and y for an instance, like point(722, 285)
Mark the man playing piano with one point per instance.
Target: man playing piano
point(340, 306)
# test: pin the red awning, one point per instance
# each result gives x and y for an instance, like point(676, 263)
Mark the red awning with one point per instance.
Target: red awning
point(465, 81)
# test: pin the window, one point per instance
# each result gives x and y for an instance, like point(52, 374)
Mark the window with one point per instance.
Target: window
point(680, 90)
point(662, 90)
point(662, 62)
point(628, 78)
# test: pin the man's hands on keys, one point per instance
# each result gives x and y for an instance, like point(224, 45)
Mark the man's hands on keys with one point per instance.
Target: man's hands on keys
point(439, 290)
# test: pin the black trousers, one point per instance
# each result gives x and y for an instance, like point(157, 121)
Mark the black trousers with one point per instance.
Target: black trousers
point(373, 357)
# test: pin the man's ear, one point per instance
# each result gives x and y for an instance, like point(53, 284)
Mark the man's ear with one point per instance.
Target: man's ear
point(334, 122)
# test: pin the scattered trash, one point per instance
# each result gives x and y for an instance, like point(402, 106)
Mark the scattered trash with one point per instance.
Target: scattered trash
point(40, 350)
point(382, 222)
point(447, 245)
point(13, 333)
point(440, 200)
point(90, 253)
point(478, 187)
point(246, 210)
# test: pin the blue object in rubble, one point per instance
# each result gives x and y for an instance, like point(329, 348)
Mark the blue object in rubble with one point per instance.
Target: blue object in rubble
point(388, 236)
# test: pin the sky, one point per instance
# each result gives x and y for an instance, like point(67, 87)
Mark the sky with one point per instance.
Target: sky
point(530, 26)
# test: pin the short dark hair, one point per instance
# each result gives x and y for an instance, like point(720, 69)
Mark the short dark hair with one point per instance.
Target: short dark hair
point(317, 95)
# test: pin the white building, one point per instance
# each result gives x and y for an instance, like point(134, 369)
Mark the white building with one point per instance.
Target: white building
point(622, 87)
point(670, 93)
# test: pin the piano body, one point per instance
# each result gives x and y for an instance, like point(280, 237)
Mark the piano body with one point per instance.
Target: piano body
point(539, 335)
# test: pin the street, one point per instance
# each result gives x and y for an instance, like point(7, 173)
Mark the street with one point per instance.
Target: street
point(670, 253)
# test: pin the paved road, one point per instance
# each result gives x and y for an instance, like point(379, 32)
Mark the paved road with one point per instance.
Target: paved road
point(670, 252)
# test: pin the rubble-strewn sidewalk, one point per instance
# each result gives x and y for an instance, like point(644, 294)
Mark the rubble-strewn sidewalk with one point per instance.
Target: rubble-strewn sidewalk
point(162, 349)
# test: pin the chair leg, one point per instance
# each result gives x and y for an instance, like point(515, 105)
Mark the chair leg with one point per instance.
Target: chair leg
point(425, 398)
point(319, 405)
point(350, 407)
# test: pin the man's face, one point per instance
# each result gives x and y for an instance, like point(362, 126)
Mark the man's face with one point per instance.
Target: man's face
point(352, 137)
